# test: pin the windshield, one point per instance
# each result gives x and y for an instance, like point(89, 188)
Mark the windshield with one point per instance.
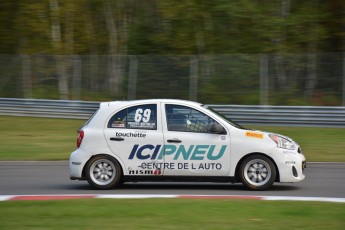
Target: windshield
point(224, 117)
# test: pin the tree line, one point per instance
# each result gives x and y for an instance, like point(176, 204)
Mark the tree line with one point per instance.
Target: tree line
point(161, 27)
point(171, 27)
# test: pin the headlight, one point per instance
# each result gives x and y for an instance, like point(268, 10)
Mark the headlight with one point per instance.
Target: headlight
point(282, 142)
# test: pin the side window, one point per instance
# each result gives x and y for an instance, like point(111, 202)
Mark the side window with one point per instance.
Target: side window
point(185, 119)
point(119, 120)
point(137, 117)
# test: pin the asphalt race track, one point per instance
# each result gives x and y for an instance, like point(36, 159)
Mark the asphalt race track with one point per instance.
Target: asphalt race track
point(45, 178)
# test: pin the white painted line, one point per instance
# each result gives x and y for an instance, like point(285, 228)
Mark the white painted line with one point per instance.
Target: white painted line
point(148, 196)
point(295, 198)
point(4, 198)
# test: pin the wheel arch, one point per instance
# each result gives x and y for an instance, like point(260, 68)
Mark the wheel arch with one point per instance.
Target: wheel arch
point(238, 166)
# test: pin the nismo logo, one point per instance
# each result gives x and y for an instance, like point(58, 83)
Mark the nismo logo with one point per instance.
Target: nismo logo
point(192, 152)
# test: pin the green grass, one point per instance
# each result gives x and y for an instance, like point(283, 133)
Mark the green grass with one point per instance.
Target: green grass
point(29, 138)
point(32, 138)
point(171, 214)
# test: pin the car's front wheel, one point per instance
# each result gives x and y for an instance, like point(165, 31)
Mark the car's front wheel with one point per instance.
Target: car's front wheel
point(103, 172)
point(257, 172)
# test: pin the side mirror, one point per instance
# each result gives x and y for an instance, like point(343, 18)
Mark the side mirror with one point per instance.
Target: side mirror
point(217, 129)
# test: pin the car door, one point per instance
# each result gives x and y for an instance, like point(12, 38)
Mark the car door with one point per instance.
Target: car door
point(134, 134)
point(192, 148)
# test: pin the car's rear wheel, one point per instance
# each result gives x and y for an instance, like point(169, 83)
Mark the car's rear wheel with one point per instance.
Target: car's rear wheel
point(103, 172)
point(257, 172)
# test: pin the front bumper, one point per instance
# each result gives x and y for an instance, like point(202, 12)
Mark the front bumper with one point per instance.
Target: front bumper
point(291, 166)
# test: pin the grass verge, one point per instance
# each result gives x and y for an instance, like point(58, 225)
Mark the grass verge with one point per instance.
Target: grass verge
point(31, 138)
point(171, 214)
point(34, 138)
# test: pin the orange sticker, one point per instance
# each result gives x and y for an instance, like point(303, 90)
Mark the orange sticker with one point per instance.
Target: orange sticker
point(255, 135)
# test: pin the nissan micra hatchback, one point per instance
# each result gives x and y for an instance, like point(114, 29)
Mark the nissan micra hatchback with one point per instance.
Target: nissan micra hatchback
point(176, 140)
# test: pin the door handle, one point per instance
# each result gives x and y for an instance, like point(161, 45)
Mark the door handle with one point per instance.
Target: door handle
point(174, 141)
point(116, 139)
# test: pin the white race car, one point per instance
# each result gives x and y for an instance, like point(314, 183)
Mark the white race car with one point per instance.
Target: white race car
point(177, 140)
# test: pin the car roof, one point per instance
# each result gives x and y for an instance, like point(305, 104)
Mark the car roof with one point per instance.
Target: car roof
point(147, 101)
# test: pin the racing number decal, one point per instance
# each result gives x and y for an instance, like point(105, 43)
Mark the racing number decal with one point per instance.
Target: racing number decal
point(142, 115)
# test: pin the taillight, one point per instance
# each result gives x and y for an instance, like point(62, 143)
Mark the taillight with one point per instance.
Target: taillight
point(80, 138)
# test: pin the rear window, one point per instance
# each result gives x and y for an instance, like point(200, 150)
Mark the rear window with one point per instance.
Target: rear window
point(136, 117)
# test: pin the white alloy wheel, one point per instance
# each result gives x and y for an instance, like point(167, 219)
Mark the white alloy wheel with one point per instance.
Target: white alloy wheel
point(257, 172)
point(103, 172)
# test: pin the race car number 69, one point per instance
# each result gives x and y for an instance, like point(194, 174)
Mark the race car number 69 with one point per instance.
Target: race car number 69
point(143, 116)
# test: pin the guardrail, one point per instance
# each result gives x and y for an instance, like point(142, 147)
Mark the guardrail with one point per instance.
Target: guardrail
point(47, 108)
point(315, 116)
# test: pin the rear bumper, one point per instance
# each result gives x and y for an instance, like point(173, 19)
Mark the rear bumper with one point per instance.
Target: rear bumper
point(77, 163)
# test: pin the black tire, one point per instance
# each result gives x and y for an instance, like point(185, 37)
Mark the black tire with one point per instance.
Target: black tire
point(257, 172)
point(103, 172)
